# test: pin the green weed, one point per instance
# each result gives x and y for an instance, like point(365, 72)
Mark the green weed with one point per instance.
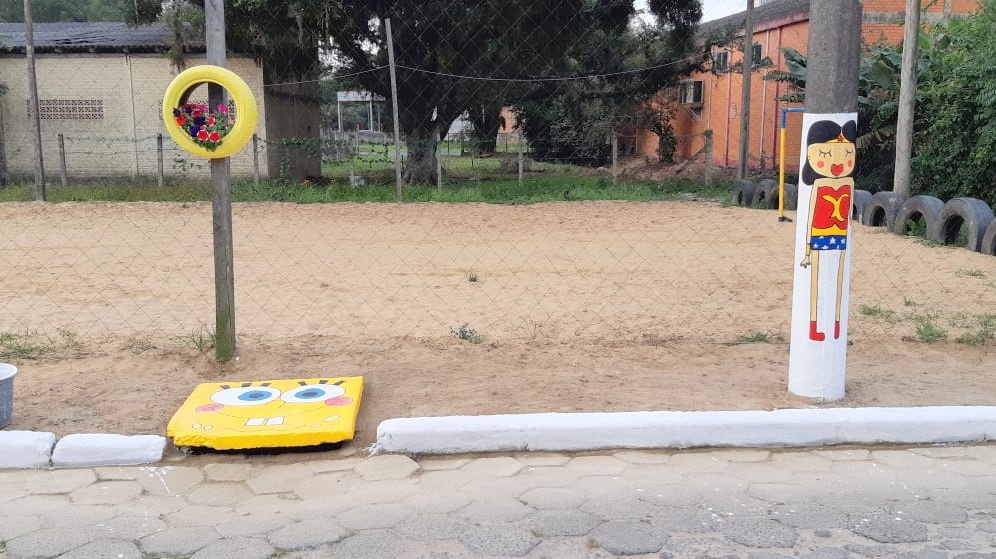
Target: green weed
point(970, 273)
point(926, 331)
point(203, 339)
point(985, 332)
point(472, 277)
point(758, 338)
point(878, 312)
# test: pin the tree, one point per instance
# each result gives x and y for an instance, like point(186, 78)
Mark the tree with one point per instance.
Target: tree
point(53, 11)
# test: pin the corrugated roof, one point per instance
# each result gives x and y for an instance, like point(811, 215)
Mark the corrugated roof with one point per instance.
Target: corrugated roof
point(86, 37)
point(767, 12)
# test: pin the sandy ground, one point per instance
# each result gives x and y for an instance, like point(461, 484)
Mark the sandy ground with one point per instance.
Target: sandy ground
point(607, 306)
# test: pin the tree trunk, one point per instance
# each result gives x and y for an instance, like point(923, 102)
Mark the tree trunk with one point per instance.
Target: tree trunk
point(420, 166)
point(487, 122)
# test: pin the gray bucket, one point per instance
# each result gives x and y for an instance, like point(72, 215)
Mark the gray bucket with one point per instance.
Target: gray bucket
point(7, 373)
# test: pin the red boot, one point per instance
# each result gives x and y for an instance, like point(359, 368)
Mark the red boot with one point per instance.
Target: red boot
point(813, 334)
point(836, 330)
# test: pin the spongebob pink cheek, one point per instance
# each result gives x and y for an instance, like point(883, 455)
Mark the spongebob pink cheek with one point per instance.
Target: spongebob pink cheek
point(339, 401)
point(210, 407)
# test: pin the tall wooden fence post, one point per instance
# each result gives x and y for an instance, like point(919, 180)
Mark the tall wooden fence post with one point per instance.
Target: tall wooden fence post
point(160, 174)
point(63, 173)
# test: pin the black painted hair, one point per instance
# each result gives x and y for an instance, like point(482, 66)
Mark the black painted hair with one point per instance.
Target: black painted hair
point(824, 131)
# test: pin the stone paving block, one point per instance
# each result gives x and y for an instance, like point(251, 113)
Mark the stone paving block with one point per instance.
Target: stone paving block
point(653, 473)
point(432, 527)
point(219, 494)
point(14, 526)
point(597, 465)
point(381, 492)
point(106, 493)
point(169, 480)
point(609, 507)
point(799, 462)
point(886, 528)
point(779, 492)
point(38, 504)
point(11, 491)
point(47, 542)
point(179, 541)
point(496, 467)
point(118, 549)
point(541, 458)
point(386, 466)
point(967, 467)
point(563, 523)
point(308, 533)
point(26, 449)
point(251, 525)
point(87, 450)
point(647, 457)
point(759, 532)
point(372, 517)
point(930, 512)
point(153, 505)
point(279, 479)
point(328, 486)
point(335, 465)
point(503, 510)
point(499, 539)
point(228, 472)
point(844, 454)
point(552, 498)
point(236, 548)
point(76, 516)
point(941, 451)
point(126, 528)
point(757, 472)
point(809, 516)
point(61, 481)
point(685, 519)
point(735, 455)
point(546, 476)
point(436, 501)
point(628, 537)
point(377, 544)
point(199, 516)
point(493, 488)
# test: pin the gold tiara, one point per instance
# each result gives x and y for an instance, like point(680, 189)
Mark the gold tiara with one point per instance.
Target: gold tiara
point(839, 139)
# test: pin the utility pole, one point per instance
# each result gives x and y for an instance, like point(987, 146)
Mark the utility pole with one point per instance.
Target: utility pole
point(821, 283)
point(29, 48)
point(398, 181)
point(907, 100)
point(221, 196)
point(748, 64)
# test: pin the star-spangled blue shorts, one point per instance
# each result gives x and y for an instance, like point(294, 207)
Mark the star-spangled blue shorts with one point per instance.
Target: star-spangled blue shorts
point(829, 242)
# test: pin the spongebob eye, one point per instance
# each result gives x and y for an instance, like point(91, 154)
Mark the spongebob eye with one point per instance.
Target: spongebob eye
point(312, 393)
point(246, 396)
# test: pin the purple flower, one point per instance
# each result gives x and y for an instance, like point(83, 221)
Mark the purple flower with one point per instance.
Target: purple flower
point(193, 130)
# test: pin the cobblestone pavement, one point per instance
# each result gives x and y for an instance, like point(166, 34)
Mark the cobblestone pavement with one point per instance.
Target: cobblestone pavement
point(926, 502)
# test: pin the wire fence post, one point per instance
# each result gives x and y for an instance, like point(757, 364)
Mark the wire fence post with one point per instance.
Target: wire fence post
point(394, 106)
point(63, 174)
point(521, 158)
point(29, 47)
point(221, 197)
point(255, 158)
point(615, 158)
point(708, 158)
point(439, 162)
point(160, 175)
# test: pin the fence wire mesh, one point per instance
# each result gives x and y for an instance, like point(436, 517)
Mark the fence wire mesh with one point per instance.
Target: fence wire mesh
point(577, 99)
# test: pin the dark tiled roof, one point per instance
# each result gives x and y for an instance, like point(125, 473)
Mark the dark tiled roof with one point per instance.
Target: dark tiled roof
point(767, 12)
point(86, 37)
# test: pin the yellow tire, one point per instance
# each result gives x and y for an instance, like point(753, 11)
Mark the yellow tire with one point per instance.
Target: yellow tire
point(246, 112)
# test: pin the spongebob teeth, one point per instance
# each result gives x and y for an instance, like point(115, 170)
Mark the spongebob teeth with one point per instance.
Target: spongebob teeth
point(259, 421)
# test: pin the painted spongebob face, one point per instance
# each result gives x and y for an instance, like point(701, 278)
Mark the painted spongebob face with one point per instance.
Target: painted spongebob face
point(268, 413)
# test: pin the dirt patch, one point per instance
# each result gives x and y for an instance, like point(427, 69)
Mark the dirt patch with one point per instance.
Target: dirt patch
point(640, 307)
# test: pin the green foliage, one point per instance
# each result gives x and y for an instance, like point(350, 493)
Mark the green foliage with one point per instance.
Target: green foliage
point(53, 11)
point(467, 334)
point(758, 338)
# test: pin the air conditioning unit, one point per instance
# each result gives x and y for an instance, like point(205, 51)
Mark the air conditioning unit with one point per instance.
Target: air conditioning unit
point(690, 93)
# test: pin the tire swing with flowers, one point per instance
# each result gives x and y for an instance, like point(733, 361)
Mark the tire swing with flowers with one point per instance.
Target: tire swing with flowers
point(204, 131)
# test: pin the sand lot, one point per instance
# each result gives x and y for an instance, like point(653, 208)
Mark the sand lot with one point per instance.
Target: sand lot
point(466, 309)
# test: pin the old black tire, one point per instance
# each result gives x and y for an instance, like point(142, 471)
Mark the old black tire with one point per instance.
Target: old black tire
point(882, 209)
point(926, 207)
point(989, 240)
point(859, 204)
point(766, 195)
point(969, 213)
point(791, 196)
point(743, 193)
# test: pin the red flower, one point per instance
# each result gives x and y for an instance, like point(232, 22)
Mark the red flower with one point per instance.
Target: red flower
point(210, 121)
point(181, 120)
point(202, 135)
point(214, 136)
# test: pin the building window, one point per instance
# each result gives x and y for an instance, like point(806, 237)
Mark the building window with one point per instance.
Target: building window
point(755, 55)
point(69, 109)
point(690, 92)
point(721, 61)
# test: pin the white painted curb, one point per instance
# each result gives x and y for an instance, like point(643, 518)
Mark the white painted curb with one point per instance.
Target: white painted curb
point(77, 451)
point(25, 449)
point(598, 431)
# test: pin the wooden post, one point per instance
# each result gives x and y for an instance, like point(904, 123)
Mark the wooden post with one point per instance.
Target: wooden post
point(160, 174)
point(63, 173)
point(521, 158)
point(255, 158)
point(821, 284)
point(708, 158)
point(615, 158)
point(221, 197)
point(394, 104)
point(907, 100)
point(748, 63)
point(29, 47)
point(439, 162)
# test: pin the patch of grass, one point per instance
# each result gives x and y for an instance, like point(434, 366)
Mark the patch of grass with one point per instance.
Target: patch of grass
point(34, 345)
point(931, 243)
point(878, 312)
point(907, 302)
point(468, 334)
point(985, 332)
point(926, 331)
point(758, 338)
point(203, 339)
point(472, 277)
point(970, 273)
point(915, 228)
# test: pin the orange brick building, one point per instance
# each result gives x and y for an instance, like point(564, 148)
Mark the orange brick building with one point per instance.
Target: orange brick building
point(712, 100)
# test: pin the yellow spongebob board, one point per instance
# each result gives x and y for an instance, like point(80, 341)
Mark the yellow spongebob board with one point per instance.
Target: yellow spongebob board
point(268, 414)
